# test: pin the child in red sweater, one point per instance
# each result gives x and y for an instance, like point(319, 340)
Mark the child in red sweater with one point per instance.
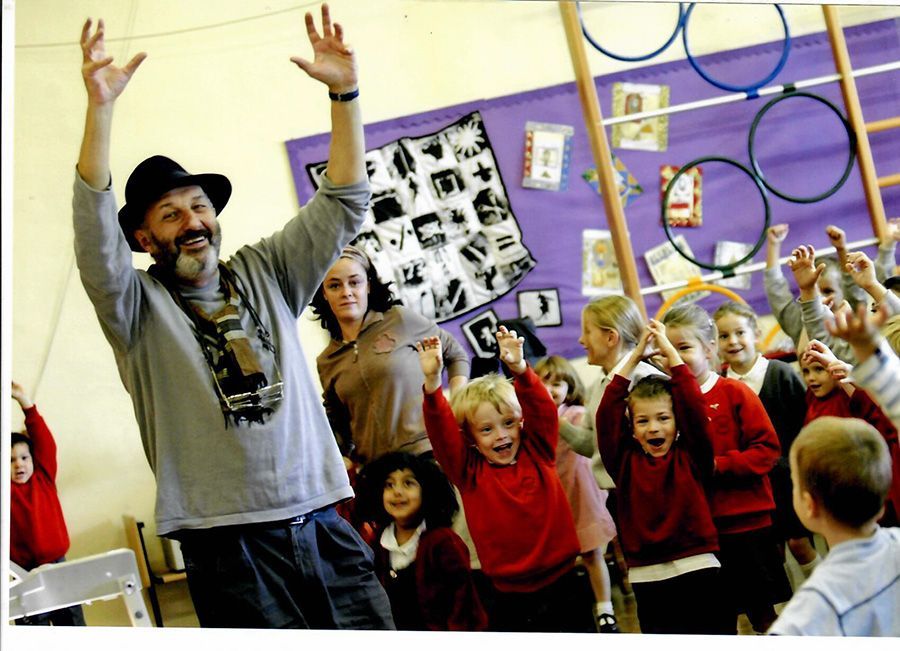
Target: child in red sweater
point(498, 446)
point(661, 460)
point(783, 396)
point(422, 563)
point(37, 531)
point(827, 395)
point(745, 449)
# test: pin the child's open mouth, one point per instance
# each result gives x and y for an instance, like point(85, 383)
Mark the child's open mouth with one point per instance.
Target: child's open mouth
point(500, 449)
point(656, 442)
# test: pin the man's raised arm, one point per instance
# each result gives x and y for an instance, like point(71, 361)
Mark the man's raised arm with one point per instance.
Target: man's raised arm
point(104, 83)
point(334, 64)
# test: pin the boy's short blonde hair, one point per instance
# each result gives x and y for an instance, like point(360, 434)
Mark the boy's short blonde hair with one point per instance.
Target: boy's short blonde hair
point(555, 367)
point(492, 388)
point(844, 464)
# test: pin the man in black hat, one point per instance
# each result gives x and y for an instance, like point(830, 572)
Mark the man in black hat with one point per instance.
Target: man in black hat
point(246, 467)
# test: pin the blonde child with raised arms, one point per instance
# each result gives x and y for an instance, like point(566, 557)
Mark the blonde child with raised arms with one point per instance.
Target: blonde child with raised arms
point(496, 442)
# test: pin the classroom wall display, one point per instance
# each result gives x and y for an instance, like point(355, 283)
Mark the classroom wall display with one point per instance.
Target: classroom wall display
point(541, 305)
point(440, 225)
point(599, 271)
point(626, 185)
point(686, 198)
point(667, 265)
point(479, 333)
point(548, 149)
point(649, 134)
point(728, 253)
point(801, 146)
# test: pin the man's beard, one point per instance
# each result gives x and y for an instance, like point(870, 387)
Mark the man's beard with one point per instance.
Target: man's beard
point(187, 267)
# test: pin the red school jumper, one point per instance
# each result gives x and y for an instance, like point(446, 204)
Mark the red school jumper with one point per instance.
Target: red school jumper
point(37, 530)
point(860, 405)
point(518, 515)
point(445, 591)
point(663, 509)
point(746, 447)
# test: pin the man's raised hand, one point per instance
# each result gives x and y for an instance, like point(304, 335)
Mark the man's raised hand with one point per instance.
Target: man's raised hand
point(334, 62)
point(104, 81)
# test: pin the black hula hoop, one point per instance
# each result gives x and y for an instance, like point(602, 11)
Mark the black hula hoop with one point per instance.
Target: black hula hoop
point(724, 268)
point(620, 57)
point(851, 137)
point(749, 89)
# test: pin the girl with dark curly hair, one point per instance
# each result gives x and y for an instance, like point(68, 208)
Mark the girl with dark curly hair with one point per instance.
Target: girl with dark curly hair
point(422, 563)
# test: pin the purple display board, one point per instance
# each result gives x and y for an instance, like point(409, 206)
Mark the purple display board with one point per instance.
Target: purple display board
point(800, 143)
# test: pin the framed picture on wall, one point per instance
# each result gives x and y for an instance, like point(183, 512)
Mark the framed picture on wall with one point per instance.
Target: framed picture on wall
point(548, 149)
point(479, 332)
point(542, 305)
point(728, 252)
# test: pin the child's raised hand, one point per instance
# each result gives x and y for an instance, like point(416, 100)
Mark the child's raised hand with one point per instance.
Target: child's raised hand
point(776, 234)
point(816, 351)
point(837, 237)
point(861, 269)
point(860, 330)
point(840, 370)
point(892, 232)
point(639, 354)
point(512, 350)
point(802, 263)
point(431, 358)
point(670, 355)
point(19, 394)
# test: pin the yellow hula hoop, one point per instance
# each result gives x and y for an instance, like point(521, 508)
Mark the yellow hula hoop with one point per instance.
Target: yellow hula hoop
point(694, 285)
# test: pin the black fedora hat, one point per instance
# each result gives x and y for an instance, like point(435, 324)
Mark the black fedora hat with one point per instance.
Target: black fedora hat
point(152, 179)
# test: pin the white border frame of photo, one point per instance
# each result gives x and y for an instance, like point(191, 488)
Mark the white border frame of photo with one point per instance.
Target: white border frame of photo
point(552, 317)
point(474, 342)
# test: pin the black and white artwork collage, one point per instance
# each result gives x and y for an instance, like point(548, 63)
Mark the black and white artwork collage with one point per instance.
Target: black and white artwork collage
point(440, 224)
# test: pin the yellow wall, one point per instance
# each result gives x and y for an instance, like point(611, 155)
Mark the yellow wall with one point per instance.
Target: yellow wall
point(225, 99)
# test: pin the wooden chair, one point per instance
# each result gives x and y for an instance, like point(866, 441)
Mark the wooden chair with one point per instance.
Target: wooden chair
point(134, 534)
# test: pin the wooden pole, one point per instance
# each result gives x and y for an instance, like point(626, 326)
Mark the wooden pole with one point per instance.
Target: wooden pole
point(590, 106)
point(889, 181)
point(883, 125)
point(855, 116)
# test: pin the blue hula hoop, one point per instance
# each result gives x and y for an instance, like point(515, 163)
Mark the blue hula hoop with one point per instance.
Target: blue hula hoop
point(621, 57)
point(762, 193)
point(751, 88)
